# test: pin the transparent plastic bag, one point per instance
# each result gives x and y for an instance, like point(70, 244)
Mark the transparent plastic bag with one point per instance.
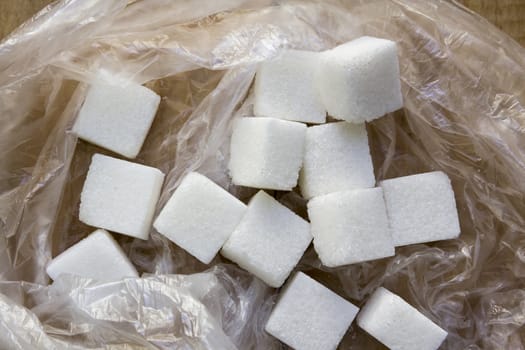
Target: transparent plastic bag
point(462, 82)
point(208, 310)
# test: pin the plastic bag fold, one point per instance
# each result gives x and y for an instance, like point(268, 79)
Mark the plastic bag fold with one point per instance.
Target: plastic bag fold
point(462, 83)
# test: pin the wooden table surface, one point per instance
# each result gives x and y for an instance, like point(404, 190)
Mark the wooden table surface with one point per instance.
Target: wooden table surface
point(508, 15)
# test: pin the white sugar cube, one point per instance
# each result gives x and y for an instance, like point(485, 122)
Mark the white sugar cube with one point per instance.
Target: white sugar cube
point(117, 118)
point(397, 324)
point(266, 153)
point(120, 196)
point(359, 80)
point(309, 316)
point(269, 240)
point(200, 216)
point(337, 158)
point(350, 227)
point(421, 208)
point(97, 256)
point(285, 88)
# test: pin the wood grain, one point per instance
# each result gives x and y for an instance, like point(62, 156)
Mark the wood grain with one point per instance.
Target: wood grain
point(509, 15)
point(15, 12)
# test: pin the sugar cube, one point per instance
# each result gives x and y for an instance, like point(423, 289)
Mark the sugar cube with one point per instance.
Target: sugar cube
point(266, 153)
point(350, 227)
point(359, 80)
point(97, 256)
point(117, 118)
point(120, 196)
point(309, 316)
point(336, 158)
point(421, 208)
point(200, 216)
point(285, 88)
point(397, 324)
point(269, 240)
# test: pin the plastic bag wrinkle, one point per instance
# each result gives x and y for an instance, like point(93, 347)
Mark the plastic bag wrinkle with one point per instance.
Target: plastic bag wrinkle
point(199, 311)
point(462, 83)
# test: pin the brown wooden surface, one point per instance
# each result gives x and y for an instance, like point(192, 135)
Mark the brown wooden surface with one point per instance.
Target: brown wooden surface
point(15, 12)
point(508, 15)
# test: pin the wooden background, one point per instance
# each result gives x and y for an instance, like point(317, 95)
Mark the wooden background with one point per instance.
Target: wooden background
point(508, 15)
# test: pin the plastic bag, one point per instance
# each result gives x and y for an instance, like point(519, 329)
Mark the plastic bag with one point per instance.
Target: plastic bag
point(209, 310)
point(462, 82)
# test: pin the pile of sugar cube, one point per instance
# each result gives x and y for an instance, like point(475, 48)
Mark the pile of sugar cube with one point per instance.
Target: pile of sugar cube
point(286, 144)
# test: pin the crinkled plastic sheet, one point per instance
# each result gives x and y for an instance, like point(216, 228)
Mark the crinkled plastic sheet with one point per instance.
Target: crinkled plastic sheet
point(463, 86)
point(209, 310)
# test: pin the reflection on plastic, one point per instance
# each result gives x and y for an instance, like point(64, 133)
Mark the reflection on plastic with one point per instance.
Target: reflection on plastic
point(208, 310)
point(462, 84)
